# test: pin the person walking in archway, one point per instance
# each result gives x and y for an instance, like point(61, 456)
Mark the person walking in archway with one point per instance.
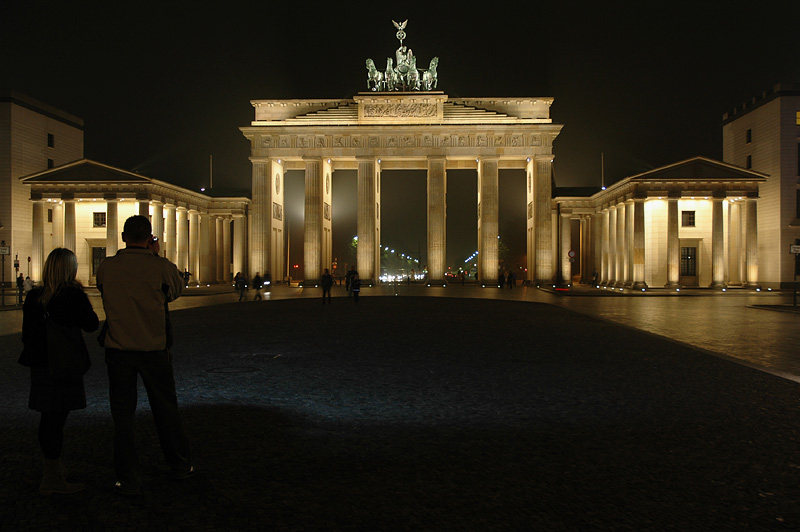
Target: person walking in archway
point(327, 284)
point(355, 286)
point(257, 283)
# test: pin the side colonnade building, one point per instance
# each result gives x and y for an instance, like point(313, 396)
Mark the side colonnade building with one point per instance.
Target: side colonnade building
point(83, 205)
point(689, 224)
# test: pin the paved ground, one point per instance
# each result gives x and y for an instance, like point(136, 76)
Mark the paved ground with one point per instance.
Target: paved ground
point(435, 413)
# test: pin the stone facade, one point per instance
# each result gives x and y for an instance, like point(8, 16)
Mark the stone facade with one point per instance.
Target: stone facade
point(422, 130)
point(33, 137)
point(764, 135)
point(690, 224)
point(83, 206)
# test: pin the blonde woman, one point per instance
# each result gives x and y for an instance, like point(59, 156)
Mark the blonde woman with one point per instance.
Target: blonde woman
point(62, 297)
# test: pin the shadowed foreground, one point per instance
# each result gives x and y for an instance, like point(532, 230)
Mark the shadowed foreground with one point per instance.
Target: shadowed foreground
point(426, 414)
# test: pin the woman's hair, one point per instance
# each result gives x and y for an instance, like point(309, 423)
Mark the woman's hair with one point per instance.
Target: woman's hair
point(59, 271)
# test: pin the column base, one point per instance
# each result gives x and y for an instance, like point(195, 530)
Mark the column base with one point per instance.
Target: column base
point(719, 285)
point(310, 283)
point(752, 286)
point(640, 285)
point(435, 282)
point(672, 284)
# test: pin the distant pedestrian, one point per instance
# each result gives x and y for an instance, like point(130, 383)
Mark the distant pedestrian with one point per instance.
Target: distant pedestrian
point(240, 281)
point(355, 286)
point(257, 283)
point(20, 287)
point(512, 279)
point(348, 278)
point(327, 283)
point(186, 276)
point(62, 300)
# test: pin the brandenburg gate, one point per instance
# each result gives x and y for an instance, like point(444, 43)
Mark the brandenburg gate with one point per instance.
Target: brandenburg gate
point(399, 123)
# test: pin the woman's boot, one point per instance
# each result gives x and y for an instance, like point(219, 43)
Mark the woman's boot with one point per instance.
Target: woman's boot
point(53, 480)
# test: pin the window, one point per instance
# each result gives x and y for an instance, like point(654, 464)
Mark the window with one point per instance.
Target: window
point(51, 141)
point(50, 163)
point(99, 219)
point(749, 162)
point(687, 218)
point(797, 118)
point(49, 215)
point(748, 136)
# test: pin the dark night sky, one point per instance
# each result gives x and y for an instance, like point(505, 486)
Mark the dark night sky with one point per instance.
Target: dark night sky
point(163, 86)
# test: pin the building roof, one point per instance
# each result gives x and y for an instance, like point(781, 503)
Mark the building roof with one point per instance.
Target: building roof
point(23, 100)
point(85, 171)
point(698, 168)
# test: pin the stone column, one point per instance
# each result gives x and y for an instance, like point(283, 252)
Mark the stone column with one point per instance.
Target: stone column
point(621, 255)
point(158, 224)
point(194, 245)
point(751, 243)
point(277, 250)
point(144, 207)
point(586, 246)
point(112, 226)
point(673, 242)
point(531, 229)
point(629, 243)
point(368, 221)
point(566, 247)
point(226, 250)
point(717, 241)
point(183, 239)
point(597, 248)
point(638, 243)
point(239, 242)
point(612, 245)
point(488, 228)
point(604, 259)
point(212, 248)
point(259, 218)
point(171, 235)
point(312, 223)
point(69, 225)
point(205, 270)
point(219, 254)
point(326, 255)
point(735, 243)
point(437, 220)
point(58, 224)
point(545, 265)
point(37, 242)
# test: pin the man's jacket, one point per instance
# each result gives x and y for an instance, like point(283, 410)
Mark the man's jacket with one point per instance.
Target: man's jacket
point(136, 286)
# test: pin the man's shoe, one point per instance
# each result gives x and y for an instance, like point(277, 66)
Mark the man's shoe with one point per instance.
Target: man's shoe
point(126, 490)
point(183, 474)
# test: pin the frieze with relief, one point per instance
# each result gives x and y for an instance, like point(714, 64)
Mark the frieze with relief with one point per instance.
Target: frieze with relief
point(399, 110)
point(406, 141)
